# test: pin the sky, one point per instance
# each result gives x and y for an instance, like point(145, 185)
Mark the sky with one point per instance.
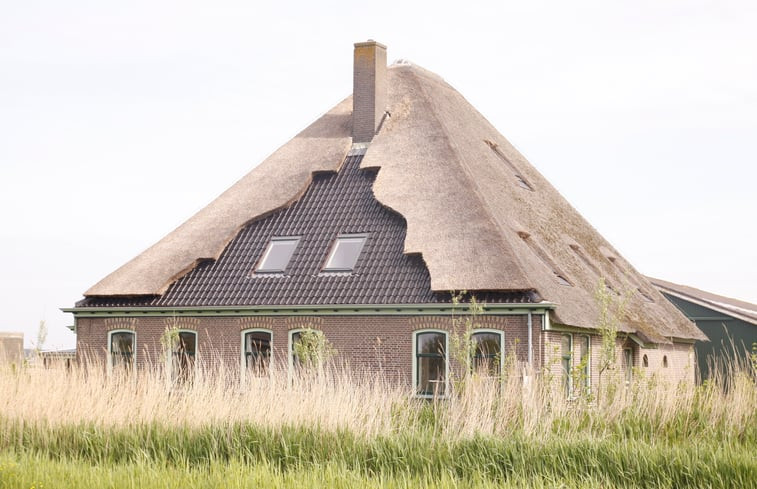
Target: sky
point(119, 120)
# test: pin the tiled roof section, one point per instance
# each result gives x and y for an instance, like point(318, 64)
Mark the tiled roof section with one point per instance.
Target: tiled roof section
point(334, 204)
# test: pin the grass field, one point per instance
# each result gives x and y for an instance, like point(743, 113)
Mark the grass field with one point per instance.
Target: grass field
point(86, 429)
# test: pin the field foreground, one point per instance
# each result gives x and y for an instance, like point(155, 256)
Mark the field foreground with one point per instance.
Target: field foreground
point(86, 429)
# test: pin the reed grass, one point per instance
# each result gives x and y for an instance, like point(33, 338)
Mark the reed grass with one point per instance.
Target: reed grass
point(359, 426)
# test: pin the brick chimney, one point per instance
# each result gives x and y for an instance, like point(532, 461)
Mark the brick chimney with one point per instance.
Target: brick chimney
point(368, 90)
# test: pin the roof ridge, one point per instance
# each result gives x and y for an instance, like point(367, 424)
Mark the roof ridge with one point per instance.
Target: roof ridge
point(497, 224)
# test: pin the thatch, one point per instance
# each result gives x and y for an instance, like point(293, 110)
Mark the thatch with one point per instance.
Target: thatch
point(452, 176)
point(448, 171)
point(272, 185)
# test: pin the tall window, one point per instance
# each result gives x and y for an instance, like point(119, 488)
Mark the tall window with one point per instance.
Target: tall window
point(628, 364)
point(294, 339)
point(184, 355)
point(121, 349)
point(256, 350)
point(431, 363)
point(566, 354)
point(584, 354)
point(488, 354)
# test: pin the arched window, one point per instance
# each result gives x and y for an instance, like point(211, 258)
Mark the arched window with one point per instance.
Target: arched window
point(121, 348)
point(256, 351)
point(488, 352)
point(184, 355)
point(430, 363)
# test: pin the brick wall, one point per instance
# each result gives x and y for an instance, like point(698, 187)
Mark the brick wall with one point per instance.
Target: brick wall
point(679, 356)
point(364, 342)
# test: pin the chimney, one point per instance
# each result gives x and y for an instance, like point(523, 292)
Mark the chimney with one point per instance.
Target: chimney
point(368, 90)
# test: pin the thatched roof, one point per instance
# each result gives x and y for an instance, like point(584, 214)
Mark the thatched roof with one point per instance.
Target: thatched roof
point(481, 217)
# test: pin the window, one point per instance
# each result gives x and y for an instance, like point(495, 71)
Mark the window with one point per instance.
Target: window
point(584, 354)
point(183, 355)
point(430, 366)
point(256, 351)
point(628, 364)
point(277, 255)
point(566, 354)
point(645, 361)
point(665, 361)
point(121, 349)
point(344, 253)
point(545, 258)
point(518, 175)
point(488, 355)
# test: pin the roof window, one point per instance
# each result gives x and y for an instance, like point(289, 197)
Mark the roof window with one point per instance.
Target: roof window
point(344, 253)
point(277, 255)
point(518, 175)
point(545, 258)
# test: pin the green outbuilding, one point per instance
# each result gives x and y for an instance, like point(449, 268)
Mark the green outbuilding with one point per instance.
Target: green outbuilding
point(730, 325)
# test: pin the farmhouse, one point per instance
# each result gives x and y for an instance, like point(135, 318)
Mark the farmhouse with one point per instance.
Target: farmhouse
point(361, 227)
point(730, 325)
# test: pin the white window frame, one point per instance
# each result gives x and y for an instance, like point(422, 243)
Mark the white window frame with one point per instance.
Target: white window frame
point(501, 346)
point(269, 248)
point(415, 362)
point(569, 387)
point(588, 363)
point(243, 352)
point(332, 250)
point(110, 347)
point(169, 359)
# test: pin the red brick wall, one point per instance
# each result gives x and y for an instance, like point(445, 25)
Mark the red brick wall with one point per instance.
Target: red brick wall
point(362, 341)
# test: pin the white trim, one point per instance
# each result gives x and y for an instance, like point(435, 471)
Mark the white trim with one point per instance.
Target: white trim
point(415, 361)
point(290, 352)
point(569, 373)
point(501, 344)
point(110, 347)
point(169, 360)
point(588, 363)
point(242, 351)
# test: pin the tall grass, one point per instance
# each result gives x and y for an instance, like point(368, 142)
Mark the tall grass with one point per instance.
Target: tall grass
point(649, 433)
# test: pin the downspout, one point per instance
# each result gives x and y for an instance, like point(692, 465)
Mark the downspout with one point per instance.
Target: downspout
point(530, 342)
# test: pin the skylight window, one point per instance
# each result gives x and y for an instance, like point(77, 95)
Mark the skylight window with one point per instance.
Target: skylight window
point(277, 255)
point(545, 258)
point(344, 253)
point(522, 182)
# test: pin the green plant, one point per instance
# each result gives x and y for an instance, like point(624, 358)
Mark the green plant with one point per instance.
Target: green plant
point(313, 350)
point(611, 310)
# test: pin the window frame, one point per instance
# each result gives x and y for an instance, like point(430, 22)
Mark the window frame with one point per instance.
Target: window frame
point(501, 346)
point(587, 367)
point(416, 370)
point(332, 250)
point(267, 251)
point(243, 352)
point(174, 375)
point(110, 348)
point(567, 374)
point(628, 365)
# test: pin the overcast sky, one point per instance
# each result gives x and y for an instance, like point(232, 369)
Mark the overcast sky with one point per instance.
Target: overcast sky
point(119, 120)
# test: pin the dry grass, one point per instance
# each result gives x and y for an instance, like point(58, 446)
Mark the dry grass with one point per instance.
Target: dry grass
point(367, 405)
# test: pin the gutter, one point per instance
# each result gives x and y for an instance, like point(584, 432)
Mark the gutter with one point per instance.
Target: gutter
point(309, 310)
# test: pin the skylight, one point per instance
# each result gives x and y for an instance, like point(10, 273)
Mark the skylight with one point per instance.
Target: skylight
point(277, 255)
point(522, 182)
point(344, 253)
point(545, 258)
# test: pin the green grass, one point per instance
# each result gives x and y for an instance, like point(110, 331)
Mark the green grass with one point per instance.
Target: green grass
point(295, 455)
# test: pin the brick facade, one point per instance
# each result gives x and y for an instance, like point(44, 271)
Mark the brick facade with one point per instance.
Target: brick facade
point(672, 363)
point(363, 342)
